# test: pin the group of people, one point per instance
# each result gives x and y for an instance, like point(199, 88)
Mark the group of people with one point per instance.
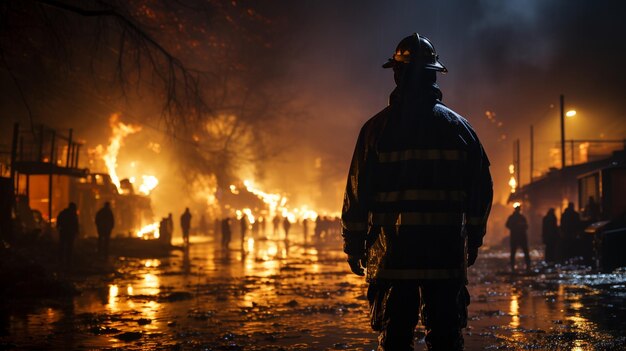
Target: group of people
point(166, 227)
point(561, 241)
point(564, 241)
point(68, 229)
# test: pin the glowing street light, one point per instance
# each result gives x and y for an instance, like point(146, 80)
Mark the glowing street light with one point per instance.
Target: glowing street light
point(570, 113)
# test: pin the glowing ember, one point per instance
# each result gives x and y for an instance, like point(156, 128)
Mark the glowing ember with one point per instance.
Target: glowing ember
point(151, 231)
point(120, 131)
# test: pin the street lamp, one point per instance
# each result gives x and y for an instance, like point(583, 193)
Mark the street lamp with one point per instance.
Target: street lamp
point(570, 113)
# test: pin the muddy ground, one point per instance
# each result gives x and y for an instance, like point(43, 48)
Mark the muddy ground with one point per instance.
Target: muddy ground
point(278, 296)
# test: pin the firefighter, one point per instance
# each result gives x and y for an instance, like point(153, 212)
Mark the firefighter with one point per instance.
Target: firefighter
point(67, 225)
point(185, 225)
point(518, 226)
point(415, 208)
point(104, 224)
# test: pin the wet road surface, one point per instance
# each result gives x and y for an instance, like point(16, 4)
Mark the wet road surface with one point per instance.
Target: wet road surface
point(273, 296)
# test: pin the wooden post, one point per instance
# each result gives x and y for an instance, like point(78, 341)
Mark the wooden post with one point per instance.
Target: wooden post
point(532, 152)
point(76, 156)
point(16, 132)
point(51, 170)
point(69, 147)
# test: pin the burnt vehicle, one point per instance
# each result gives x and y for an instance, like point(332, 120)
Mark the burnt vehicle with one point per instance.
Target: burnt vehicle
point(603, 196)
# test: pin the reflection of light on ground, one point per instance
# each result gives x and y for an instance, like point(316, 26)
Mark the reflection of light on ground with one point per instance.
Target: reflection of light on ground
point(113, 292)
point(150, 284)
point(250, 245)
point(514, 310)
point(129, 290)
point(272, 249)
point(152, 263)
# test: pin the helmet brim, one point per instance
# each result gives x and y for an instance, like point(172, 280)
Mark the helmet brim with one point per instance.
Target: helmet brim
point(437, 66)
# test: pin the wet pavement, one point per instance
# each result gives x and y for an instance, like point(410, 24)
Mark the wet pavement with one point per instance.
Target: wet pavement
point(273, 296)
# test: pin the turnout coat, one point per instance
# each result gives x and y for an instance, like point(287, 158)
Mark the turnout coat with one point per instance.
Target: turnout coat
point(418, 193)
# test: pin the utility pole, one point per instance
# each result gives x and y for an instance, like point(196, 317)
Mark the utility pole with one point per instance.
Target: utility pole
point(532, 152)
point(517, 165)
point(562, 131)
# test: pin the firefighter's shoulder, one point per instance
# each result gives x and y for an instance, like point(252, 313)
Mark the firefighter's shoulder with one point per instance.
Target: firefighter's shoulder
point(375, 123)
point(453, 118)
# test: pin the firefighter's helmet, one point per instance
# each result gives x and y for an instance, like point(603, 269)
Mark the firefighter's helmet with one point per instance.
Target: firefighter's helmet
point(418, 50)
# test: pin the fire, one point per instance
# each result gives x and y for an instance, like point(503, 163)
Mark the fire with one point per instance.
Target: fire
point(149, 231)
point(120, 131)
point(149, 183)
point(277, 205)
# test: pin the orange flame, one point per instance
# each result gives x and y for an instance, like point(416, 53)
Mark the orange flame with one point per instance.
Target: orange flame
point(277, 205)
point(149, 231)
point(120, 131)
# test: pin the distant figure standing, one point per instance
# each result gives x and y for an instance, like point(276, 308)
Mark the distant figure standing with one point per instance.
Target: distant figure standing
point(305, 229)
point(104, 223)
point(570, 226)
point(550, 236)
point(226, 233)
point(317, 233)
point(286, 227)
point(275, 223)
point(164, 231)
point(67, 225)
point(185, 225)
point(518, 226)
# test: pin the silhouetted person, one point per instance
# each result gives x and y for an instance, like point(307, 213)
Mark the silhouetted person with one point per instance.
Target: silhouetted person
point(570, 227)
point(519, 239)
point(286, 227)
point(275, 224)
point(165, 235)
point(104, 224)
point(226, 232)
point(418, 189)
point(550, 235)
point(185, 225)
point(67, 225)
point(305, 229)
point(592, 210)
point(317, 231)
